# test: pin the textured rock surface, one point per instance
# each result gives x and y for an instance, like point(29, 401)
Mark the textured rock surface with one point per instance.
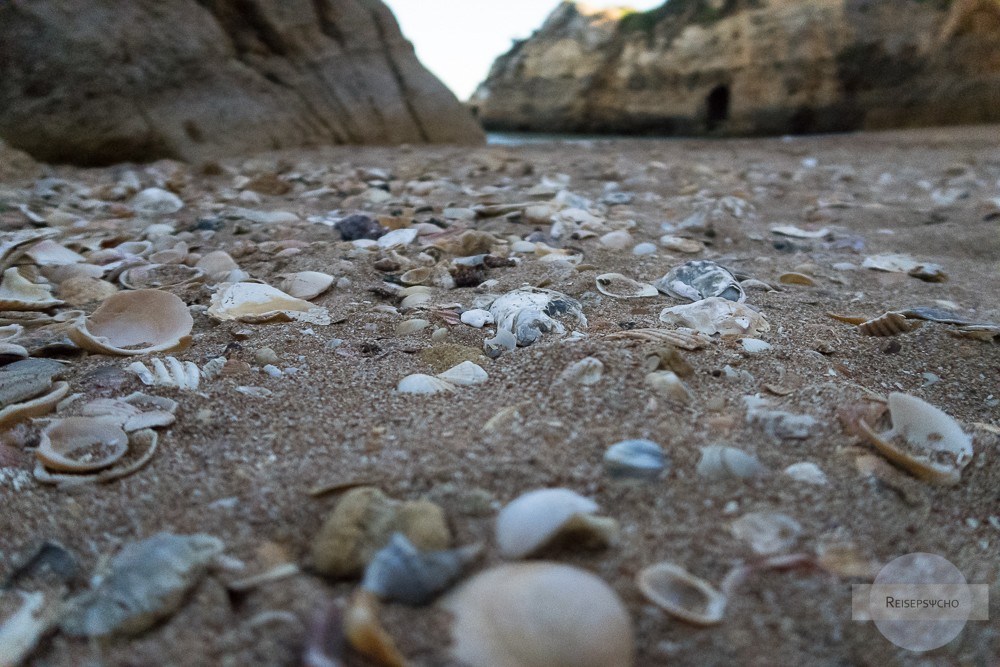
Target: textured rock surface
point(101, 81)
point(751, 67)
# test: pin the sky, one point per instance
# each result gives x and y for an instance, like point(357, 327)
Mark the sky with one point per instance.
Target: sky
point(458, 40)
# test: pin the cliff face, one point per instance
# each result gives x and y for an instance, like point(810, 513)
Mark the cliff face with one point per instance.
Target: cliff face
point(751, 67)
point(101, 81)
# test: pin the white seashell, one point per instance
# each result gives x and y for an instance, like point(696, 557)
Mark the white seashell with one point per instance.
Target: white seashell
point(754, 345)
point(419, 383)
point(217, 264)
point(51, 253)
point(503, 341)
point(102, 442)
point(529, 312)
point(306, 284)
point(767, 533)
point(799, 233)
point(934, 447)
point(135, 322)
point(635, 459)
point(213, 368)
point(19, 293)
point(644, 249)
point(21, 631)
point(681, 594)
point(588, 371)
point(182, 375)
point(41, 400)
point(134, 412)
point(623, 287)
point(415, 296)
point(12, 244)
point(256, 303)
point(400, 572)
point(538, 518)
point(477, 317)
point(155, 201)
point(408, 327)
point(701, 279)
point(716, 315)
point(464, 374)
point(719, 462)
point(668, 385)
point(146, 582)
point(617, 240)
point(539, 615)
point(397, 237)
point(806, 472)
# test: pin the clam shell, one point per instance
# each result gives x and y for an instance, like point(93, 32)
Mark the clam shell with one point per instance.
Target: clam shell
point(415, 296)
point(538, 518)
point(529, 312)
point(416, 276)
point(151, 276)
point(419, 383)
point(539, 615)
point(408, 327)
point(256, 303)
point(19, 293)
point(146, 582)
point(635, 459)
point(464, 374)
point(767, 533)
point(12, 244)
point(51, 253)
point(66, 437)
point(719, 462)
point(36, 407)
point(934, 447)
point(142, 447)
point(217, 264)
point(715, 315)
point(306, 284)
point(623, 287)
point(701, 279)
point(136, 322)
point(400, 572)
point(83, 290)
point(681, 594)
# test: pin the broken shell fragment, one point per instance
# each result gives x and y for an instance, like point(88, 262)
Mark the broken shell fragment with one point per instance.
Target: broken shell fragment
point(306, 284)
point(147, 581)
point(152, 276)
point(365, 634)
point(623, 287)
point(173, 373)
point(668, 384)
point(135, 322)
point(701, 279)
point(81, 444)
point(538, 519)
point(35, 407)
point(539, 615)
point(767, 533)
point(716, 315)
point(587, 372)
point(529, 312)
point(635, 459)
point(895, 263)
point(419, 383)
point(400, 572)
point(19, 293)
point(933, 446)
point(719, 462)
point(681, 594)
point(258, 303)
point(464, 374)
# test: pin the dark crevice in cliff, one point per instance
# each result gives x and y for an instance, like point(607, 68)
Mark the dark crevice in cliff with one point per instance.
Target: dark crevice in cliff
point(326, 25)
point(404, 90)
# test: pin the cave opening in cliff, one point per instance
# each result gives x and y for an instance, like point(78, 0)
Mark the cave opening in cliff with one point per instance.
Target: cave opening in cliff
point(717, 106)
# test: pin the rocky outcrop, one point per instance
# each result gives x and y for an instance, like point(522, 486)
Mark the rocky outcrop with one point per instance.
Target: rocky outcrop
point(102, 81)
point(743, 67)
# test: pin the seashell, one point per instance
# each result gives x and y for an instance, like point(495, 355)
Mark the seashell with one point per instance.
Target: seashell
point(101, 442)
point(213, 368)
point(768, 533)
point(778, 424)
point(182, 375)
point(12, 244)
point(135, 322)
point(806, 472)
point(896, 263)
point(134, 412)
point(22, 630)
point(668, 385)
point(680, 244)
point(477, 317)
point(217, 264)
point(60, 274)
point(151, 276)
point(419, 383)
point(408, 327)
point(51, 253)
point(890, 324)
point(397, 237)
point(503, 341)
point(539, 615)
point(156, 201)
point(146, 581)
point(701, 279)
point(365, 633)
point(10, 352)
point(528, 312)
point(10, 332)
point(464, 374)
point(686, 339)
point(793, 278)
point(719, 462)
point(537, 519)
point(715, 315)
point(635, 459)
point(19, 293)
point(415, 296)
point(754, 345)
point(34, 407)
point(799, 233)
point(26, 379)
point(623, 287)
point(935, 448)
point(416, 276)
point(83, 290)
point(587, 372)
point(257, 303)
point(681, 594)
point(306, 284)
point(399, 572)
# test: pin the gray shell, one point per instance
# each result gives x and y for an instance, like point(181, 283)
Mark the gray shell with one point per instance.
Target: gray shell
point(529, 312)
point(701, 279)
point(399, 572)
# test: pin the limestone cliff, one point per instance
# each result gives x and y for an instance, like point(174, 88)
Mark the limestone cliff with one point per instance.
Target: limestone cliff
point(733, 67)
point(101, 81)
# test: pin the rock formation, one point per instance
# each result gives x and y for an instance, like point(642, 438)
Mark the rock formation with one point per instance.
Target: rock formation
point(102, 81)
point(731, 67)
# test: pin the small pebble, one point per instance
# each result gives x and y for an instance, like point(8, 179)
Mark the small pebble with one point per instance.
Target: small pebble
point(644, 249)
point(635, 459)
point(265, 355)
point(273, 371)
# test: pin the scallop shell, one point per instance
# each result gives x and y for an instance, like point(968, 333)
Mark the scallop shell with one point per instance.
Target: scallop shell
point(400, 572)
point(529, 312)
point(715, 315)
point(19, 293)
point(146, 582)
point(136, 322)
point(635, 459)
point(681, 594)
point(465, 374)
point(539, 518)
point(306, 284)
point(539, 615)
point(935, 448)
point(419, 383)
point(256, 303)
point(719, 462)
point(102, 443)
point(623, 287)
point(686, 339)
point(701, 279)
point(152, 276)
